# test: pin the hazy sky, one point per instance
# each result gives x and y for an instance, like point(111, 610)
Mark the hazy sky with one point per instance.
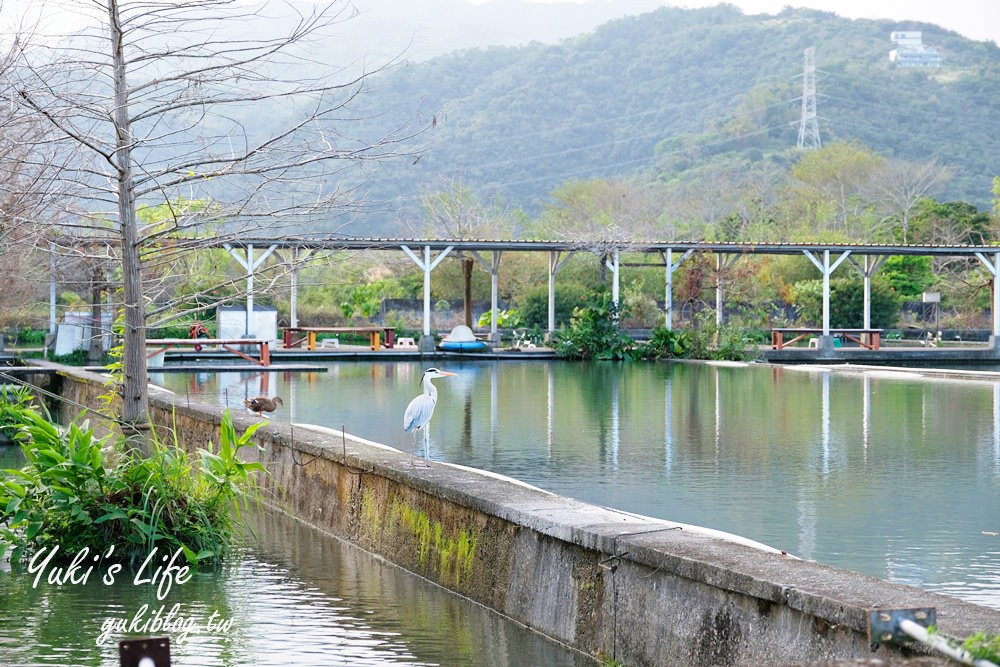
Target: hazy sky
point(976, 19)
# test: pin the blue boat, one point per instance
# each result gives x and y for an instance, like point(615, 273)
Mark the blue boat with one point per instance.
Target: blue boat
point(461, 339)
point(463, 346)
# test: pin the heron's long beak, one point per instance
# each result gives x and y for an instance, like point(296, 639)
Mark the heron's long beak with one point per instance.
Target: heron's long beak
point(446, 373)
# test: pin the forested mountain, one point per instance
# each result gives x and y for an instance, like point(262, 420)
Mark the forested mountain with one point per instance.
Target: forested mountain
point(666, 94)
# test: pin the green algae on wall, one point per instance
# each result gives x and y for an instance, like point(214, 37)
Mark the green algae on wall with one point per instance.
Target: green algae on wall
point(455, 550)
point(370, 516)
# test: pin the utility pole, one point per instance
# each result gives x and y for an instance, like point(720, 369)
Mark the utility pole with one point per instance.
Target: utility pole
point(808, 125)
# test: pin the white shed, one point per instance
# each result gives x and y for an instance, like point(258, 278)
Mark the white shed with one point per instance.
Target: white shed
point(232, 322)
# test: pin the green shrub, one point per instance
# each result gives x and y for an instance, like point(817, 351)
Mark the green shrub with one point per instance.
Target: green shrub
point(366, 300)
point(909, 276)
point(593, 332)
point(710, 340)
point(25, 337)
point(665, 344)
point(506, 319)
point(74, 358)
point(78, 491)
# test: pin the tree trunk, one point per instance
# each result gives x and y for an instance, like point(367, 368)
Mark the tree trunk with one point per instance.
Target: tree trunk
point(135, 401)
point(467, 278)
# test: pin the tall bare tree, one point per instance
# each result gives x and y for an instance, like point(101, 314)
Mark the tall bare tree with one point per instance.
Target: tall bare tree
point(900, 185)
point(207, 100)
point(456, 212)
point(597, 211)
point(22, 186)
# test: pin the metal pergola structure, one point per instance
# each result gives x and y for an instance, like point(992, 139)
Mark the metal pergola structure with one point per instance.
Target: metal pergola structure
point(428, 253)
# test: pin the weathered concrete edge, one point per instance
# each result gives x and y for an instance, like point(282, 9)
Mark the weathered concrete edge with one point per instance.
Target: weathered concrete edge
point(837, 601)
point(734, 564)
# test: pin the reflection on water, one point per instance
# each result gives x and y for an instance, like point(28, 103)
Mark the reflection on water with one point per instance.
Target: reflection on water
point(295, 597)
point(878, 472)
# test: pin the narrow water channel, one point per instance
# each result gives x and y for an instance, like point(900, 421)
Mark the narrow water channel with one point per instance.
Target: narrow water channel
point(294, 596)
point(880, 472)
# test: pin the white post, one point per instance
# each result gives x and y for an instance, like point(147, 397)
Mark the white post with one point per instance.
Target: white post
point(494, 296)
point(668, 293)
point(427, 290)
point(614, 264)
point(494, 268)
point(250, 328)
point(996, 295)
point(668, 299)
point(249, 265)
point(554, 265)
point(52, 289)
point(827, 269)
point(718, 290)
point(993, 265)
point(293, 316)
point(871, 265)
point(553, 268)
point(826, 292)
point(721, 265)
point(427, 266)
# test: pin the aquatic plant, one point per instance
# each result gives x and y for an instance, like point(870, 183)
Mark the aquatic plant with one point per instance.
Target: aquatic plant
point(707, 339)
point(593, 332)
point(78, 491)
point(665, 343)
point(15, 402)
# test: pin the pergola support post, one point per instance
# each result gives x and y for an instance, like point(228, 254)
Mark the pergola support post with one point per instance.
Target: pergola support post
point(992, 263)
point(668, 295)
point(613, 262)
point(426, 265)
point(826, 268)
point(554, 265)
point(871, 266)
point(722, 263)
point(249, 264)
point(493, 267)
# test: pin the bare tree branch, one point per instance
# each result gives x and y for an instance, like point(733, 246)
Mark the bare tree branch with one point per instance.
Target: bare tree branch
point(210, 102)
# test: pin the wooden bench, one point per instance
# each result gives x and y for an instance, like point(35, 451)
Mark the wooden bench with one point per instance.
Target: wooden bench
point(292, 336)
point(866, 338)
point(155, 346)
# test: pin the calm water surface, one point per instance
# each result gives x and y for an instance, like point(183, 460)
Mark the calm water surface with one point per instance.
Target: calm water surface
point(873, 471)
point(294, 597)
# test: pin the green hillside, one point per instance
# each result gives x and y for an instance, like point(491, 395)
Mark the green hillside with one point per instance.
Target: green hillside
point(668, 93)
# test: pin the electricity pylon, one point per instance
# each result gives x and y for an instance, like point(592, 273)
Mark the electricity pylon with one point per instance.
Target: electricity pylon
point(808, 125)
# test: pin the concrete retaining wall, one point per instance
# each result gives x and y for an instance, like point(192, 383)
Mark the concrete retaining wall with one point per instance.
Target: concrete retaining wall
point(648, 592)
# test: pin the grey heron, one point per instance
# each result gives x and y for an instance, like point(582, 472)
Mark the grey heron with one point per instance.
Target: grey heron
point(419, 411)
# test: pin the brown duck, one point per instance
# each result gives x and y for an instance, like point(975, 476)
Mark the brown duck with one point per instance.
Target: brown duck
point(262, 404)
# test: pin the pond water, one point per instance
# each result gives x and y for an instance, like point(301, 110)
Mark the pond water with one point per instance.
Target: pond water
point(875, 471)
point(294, 596)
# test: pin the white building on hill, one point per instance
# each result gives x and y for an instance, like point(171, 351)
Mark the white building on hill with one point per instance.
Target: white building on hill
point(910, 50)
